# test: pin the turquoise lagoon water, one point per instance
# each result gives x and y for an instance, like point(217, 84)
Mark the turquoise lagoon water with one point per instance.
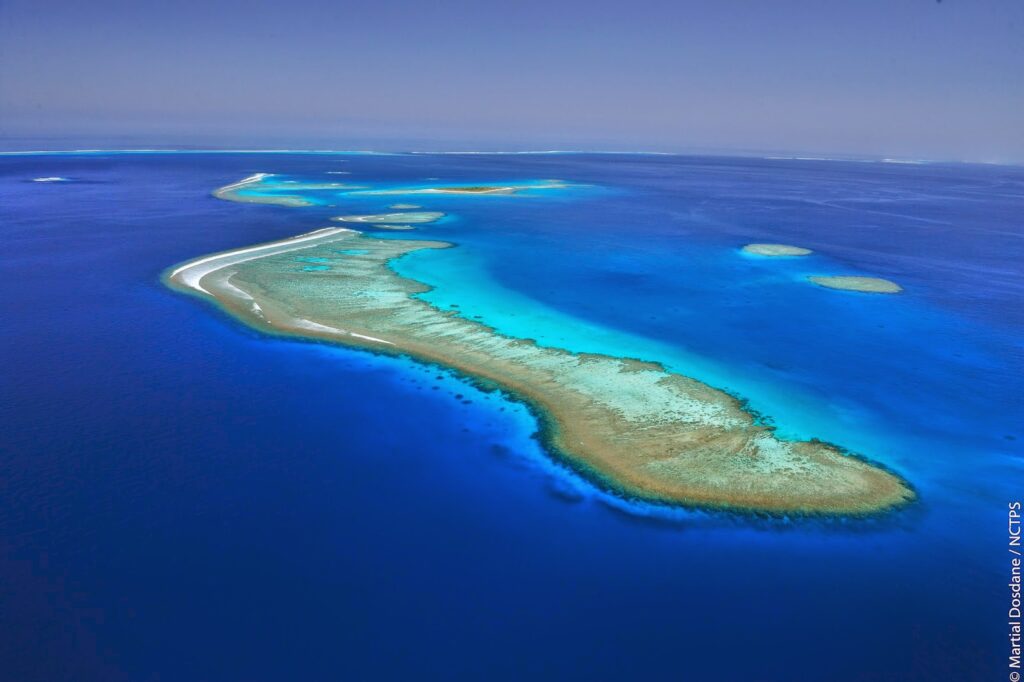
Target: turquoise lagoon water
point(277, 509)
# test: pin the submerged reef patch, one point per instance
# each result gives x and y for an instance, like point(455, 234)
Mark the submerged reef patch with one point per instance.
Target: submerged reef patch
point(867, 285)
point(392, 218)
point(775, 250)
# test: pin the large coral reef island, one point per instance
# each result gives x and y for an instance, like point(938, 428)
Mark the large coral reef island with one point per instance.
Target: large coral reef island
point(629, 425)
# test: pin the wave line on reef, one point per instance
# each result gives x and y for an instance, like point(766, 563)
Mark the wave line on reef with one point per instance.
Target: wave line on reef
point(191, 274)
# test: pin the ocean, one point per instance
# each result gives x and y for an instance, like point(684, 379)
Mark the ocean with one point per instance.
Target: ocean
point(187, 499)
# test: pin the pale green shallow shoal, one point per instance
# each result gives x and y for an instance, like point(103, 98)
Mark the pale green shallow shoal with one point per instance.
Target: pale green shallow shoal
point(776, 250)
point(867, 285)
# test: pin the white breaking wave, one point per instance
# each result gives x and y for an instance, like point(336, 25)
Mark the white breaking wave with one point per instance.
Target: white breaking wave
point(251, 180)
point(190, 274)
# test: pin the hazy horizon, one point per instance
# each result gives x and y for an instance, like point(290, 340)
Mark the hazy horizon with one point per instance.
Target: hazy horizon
point(908, 79)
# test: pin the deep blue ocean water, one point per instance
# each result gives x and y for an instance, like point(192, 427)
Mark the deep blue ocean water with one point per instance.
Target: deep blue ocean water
point(185, 499)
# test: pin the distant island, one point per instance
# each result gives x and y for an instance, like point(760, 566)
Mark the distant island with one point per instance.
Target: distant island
point(630, 425)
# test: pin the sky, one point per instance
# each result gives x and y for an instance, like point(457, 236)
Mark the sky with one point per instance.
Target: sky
point(885, 78)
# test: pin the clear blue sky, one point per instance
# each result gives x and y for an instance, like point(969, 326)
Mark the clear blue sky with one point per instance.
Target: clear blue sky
point(914, 78)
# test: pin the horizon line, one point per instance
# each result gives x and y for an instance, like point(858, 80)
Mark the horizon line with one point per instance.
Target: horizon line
point(372, 152)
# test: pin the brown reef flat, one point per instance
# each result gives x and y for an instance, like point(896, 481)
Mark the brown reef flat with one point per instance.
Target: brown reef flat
point(630, 425)
point(469, 189)
point(475, 190)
